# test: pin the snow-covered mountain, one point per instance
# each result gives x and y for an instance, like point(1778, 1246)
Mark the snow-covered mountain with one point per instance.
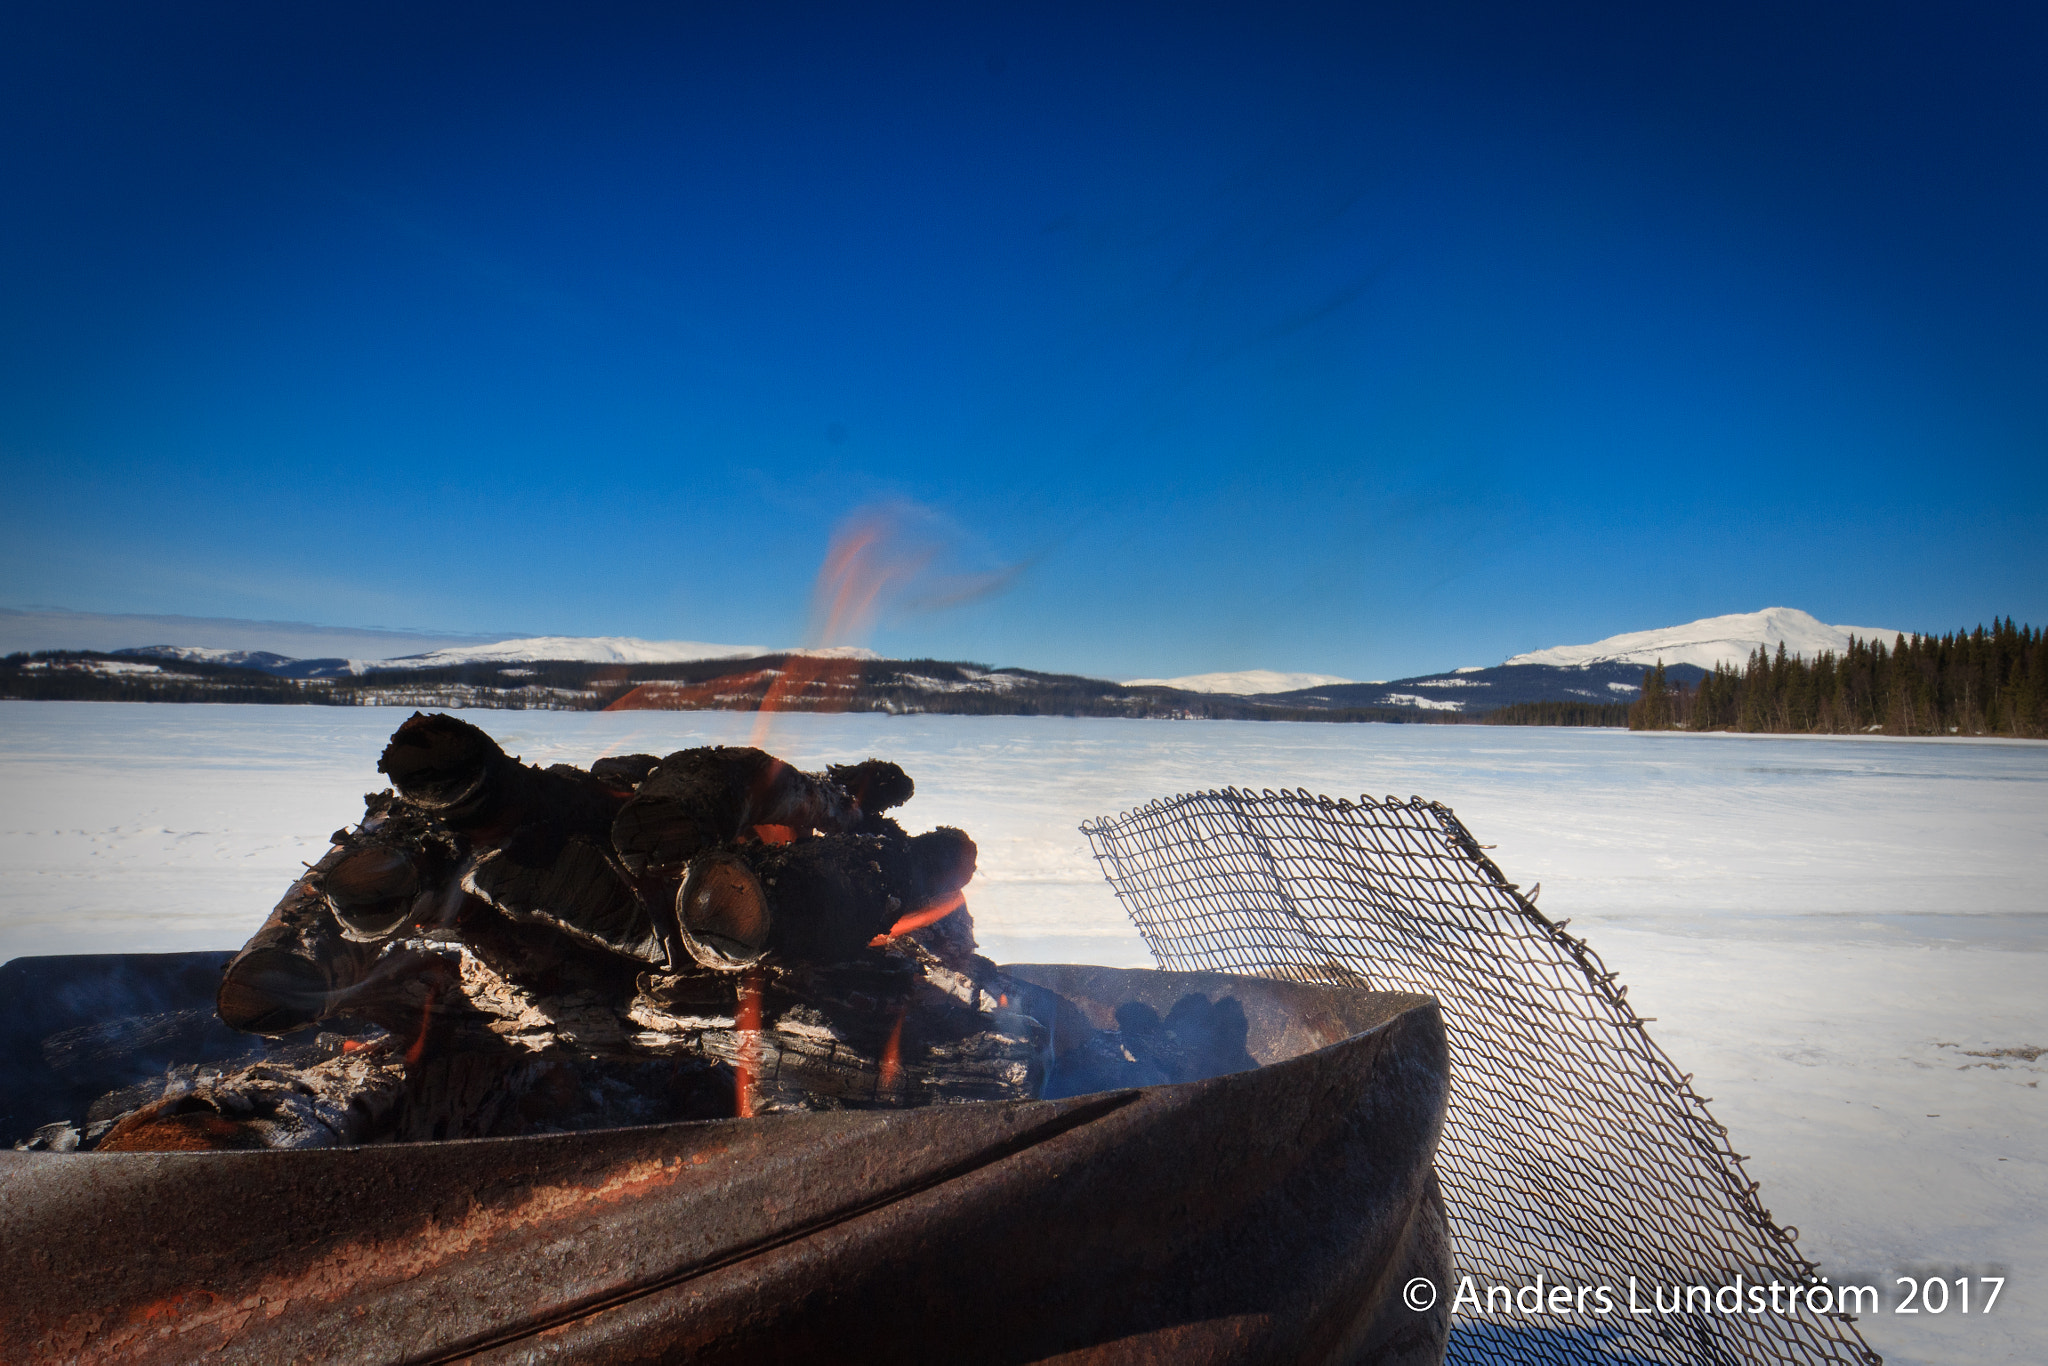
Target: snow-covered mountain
point(202, 654)
point(578, 649)
point(1712, 640)
point(1244, 683)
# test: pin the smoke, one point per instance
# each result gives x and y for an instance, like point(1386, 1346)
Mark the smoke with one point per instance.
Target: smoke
point(895, 560)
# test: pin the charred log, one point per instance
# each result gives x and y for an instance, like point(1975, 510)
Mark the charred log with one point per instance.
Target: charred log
point(394, 869)
point(818, 900)
point(460, 775)
point(876, 785)
point(573, 887)
point(293, 969)
point(624, 770)
point(346, 1099)
point(700, 798)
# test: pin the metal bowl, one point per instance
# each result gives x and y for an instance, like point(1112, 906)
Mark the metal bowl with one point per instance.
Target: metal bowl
point(1270, 1214)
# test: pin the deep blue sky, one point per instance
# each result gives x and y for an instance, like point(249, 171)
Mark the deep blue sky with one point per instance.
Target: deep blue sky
point(1345, 338)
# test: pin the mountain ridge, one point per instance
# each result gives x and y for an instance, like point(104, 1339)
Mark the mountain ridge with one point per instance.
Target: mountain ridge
point(510, 673)
point(1710, 641)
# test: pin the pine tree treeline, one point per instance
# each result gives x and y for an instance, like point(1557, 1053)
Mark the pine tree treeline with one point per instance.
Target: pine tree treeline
point(1615, 714)
point(1981, 682)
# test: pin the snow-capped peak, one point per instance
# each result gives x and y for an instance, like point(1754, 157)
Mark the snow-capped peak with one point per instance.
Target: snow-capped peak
point(1713, 640)
point(579, 649)
point(256, 659)
point(1244, 683)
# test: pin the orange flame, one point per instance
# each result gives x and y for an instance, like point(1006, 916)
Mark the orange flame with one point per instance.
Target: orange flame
point(419, 1045)
point(747, 1021)
point(866, 558)
point(878, 557)
point(892, 1056)
point(917, 920)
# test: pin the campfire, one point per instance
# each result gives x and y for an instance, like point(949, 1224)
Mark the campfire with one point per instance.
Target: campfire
point(725, 1024)
point(498, 949)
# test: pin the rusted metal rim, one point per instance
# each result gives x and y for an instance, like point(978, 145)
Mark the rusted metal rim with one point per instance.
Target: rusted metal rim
point(1264, 1215)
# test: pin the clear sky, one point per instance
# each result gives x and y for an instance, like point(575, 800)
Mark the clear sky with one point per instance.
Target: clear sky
point(1358, 339)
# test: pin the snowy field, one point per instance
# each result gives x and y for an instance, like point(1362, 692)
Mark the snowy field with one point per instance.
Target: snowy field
point(1832, 934)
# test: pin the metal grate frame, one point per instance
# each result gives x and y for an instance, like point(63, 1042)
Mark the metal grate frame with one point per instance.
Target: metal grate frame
point(1573, 1148)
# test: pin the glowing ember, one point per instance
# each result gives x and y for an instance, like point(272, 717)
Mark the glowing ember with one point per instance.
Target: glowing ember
point(917, 920)
point(892, 1056)
point(747, 1021)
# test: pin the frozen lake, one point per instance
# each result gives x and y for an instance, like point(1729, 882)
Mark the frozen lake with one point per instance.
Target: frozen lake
point(1827, 930)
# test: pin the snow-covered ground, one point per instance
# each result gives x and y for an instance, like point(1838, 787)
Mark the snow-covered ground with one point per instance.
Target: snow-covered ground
point(1832, 933)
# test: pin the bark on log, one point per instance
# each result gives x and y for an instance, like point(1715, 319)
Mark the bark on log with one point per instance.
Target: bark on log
point(576, 890)
point(700, 798)
point(459, 773)
point(394, 870)
point(816, 900)
point(292, 969)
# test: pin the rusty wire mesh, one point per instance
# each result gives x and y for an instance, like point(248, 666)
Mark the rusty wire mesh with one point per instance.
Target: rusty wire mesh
point(1572, 1147)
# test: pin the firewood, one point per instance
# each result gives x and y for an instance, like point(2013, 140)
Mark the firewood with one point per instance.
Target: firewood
point(577, 890)
point(458, 773)
point(395, 869)
point(818, 900)
point(291, 969)
point(700, 798)
point(624, 770)
point(715, 933)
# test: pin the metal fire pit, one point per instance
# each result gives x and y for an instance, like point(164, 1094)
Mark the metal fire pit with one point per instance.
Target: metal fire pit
point(1268, 1215)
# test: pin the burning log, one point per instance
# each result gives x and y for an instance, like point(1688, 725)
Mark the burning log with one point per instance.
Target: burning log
point(699, 798)
point(904, 1030)
point(341, 1101)
point(473, 787)
point(391, 870)
point(711, 933)
point(818, 900)
point(293, 969)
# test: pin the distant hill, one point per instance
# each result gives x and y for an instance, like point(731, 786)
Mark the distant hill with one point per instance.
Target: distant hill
point(1709, 641)
point(1474, 692)
point(838, 681)
point(1243, 683)
point(592, 672)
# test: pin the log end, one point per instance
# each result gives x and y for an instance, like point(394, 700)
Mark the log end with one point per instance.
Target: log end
point(723, 913)
point(876, 785)
point(439, 761)
point(271, 991)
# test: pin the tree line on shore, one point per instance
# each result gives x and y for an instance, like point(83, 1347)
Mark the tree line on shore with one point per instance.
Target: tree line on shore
point(1981, 682)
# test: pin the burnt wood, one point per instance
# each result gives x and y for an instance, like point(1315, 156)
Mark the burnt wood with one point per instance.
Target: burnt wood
point(298, 966)
point(821, 899)
point(699, 798)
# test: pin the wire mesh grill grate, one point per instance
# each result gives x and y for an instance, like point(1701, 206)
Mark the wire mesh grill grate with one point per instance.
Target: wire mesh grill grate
point(1572, 1147)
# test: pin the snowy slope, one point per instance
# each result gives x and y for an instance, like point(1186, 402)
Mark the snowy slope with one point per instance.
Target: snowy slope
point(1713, 640)
point(583, 649)
point(252, 659)
point(1244, 683)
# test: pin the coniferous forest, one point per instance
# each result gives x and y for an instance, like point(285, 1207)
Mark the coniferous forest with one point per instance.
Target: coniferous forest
point(1981, 682)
